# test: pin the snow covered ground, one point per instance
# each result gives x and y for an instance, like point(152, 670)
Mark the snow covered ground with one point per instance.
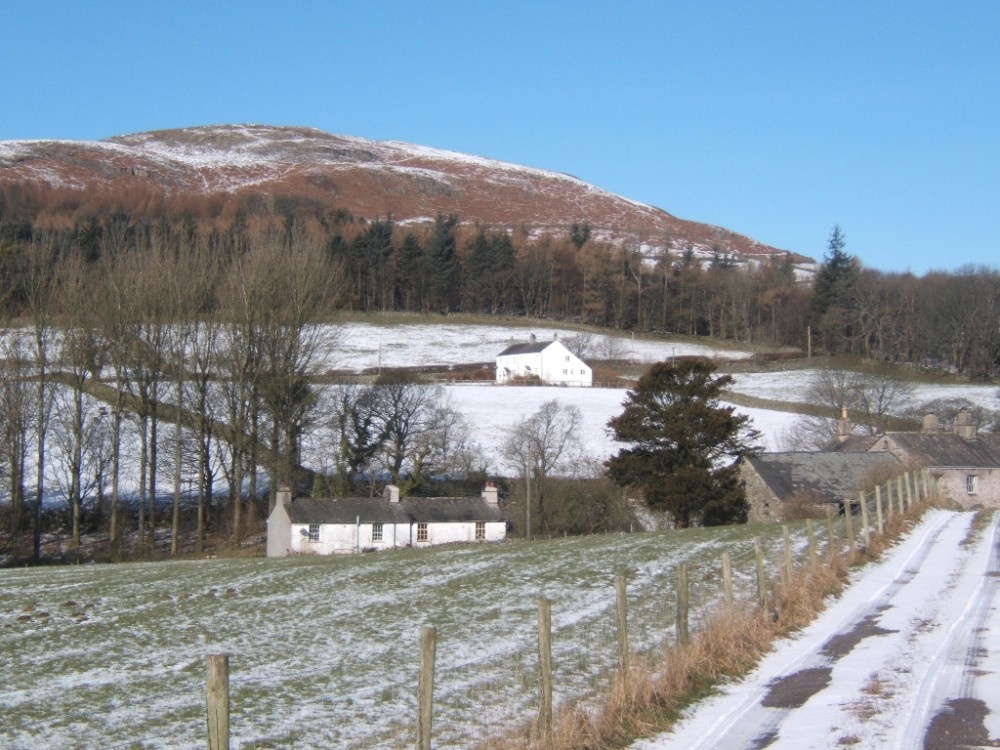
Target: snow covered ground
point(907, 658)
point(324, 651)
point(360, 346)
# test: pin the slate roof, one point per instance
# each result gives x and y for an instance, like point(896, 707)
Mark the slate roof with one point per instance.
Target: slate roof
point(832, 476)
point(532, 348)
point(938, 449)
point(948, 450)
point(379, 510)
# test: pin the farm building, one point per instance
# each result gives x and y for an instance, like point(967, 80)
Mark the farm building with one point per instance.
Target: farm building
point(333, 526)
point(774, 480)
point(548, 361)
point(964, 463)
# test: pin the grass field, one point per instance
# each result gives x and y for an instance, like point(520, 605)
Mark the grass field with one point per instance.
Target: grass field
point(324, 650)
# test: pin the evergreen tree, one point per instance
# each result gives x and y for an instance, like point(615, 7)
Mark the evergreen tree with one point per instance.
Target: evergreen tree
point(411, 275)
point(833, 302)
point(489, 267)
point(442, 261)
point(681, 439)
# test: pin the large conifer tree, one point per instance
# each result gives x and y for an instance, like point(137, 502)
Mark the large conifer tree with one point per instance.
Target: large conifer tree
point(683, 444)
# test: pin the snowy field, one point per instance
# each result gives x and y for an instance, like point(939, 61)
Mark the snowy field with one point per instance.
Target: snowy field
point(360, 346)
point(794, 386)
point(324, 650)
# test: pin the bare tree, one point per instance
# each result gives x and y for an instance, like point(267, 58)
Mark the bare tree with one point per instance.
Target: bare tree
point(41, 286)
point(16, 410)
point(82, 354)
point(543, 443)
point(404, 414)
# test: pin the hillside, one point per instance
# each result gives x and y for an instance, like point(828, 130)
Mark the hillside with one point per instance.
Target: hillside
point(285, 166)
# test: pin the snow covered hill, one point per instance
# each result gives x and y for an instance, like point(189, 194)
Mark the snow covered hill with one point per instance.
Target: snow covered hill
point(367, 178)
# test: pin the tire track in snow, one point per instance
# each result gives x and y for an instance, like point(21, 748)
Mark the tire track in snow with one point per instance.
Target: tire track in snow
point(950, 691)
point(752, 715)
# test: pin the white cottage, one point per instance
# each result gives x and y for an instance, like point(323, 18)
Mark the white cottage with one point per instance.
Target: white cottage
point(333, 526)
point(549, 361)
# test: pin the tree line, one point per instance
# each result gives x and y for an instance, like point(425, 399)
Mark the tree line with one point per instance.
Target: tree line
point(941, 319)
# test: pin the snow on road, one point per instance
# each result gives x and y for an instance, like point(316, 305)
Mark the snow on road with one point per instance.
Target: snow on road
point(908, 658)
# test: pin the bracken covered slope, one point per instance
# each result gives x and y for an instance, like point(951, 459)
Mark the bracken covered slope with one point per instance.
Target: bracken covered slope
point(366, 178)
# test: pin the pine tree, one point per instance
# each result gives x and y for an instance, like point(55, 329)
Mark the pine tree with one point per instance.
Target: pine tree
point(830, 312)
point(442, 262)
point(681, 440)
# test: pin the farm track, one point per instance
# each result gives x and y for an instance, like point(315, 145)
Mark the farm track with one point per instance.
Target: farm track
point(902, 661)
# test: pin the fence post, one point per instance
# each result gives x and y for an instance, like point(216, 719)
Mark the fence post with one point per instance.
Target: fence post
point(909, 492)
point(864, 520)
point(761, 579)
point(811, 535)
point(789, 562)
point(831, 532)
point(878, 509)
point(622, 600)
point(425, 687)
point(923, 477)
point(682, 604)
point(849, 524)
point(888, 498)
point(545, 664)
point(727, 579)
point(217, 701)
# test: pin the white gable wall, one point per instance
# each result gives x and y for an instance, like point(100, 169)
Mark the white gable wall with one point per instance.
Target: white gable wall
point(554, 364)
point(278, 532)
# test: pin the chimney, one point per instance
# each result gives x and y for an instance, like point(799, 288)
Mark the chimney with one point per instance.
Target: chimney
point(965, 427)
point(843, 426)
point(930, 423)
point(391, 493)
point(283, 496)
point(490, 494)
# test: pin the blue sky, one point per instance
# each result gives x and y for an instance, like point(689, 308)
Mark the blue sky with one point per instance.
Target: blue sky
point(772, 119)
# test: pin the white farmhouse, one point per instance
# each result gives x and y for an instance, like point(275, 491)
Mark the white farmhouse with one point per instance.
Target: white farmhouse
point(333, 526)
point(549, 361)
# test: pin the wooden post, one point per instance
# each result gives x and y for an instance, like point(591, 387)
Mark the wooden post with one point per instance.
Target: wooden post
point(909, 492)
point(683, 593)
point(620, 591)
point(831, 532)
point(849, 524)
point(888, 498)
point(811, 535)
point(727, 579)
point(899, 493)
point(923, 477)
point(545, 665)
point(878, 509)
point(217, 701)
point(425, 687)
point(761, 579)
point(789, 562)
point(866, 527)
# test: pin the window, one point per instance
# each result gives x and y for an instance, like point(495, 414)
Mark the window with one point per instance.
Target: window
point(314, 532)
point(567, 358)
point(970, 483)
point(421, 532)
point(480, 530)
point(376, 532)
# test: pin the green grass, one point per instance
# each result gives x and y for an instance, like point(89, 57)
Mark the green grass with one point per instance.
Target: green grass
point(324, 650)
